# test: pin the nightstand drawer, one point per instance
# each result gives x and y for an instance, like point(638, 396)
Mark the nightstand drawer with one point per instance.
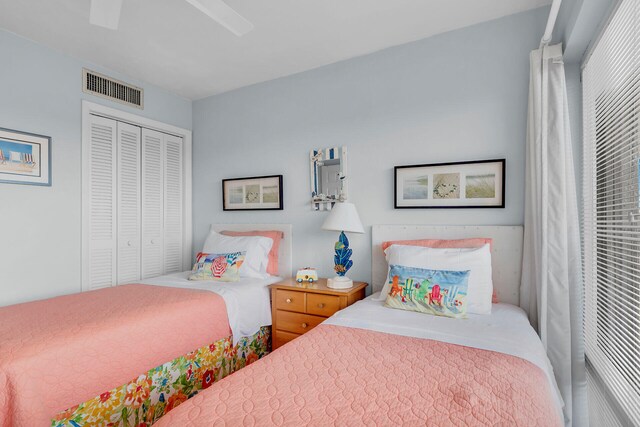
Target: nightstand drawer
point(296, 322)
point(290, 300)
point(280, 338)
point(322, 305)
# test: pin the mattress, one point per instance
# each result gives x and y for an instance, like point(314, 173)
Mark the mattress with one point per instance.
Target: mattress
point(247, 300)
point(371, 365)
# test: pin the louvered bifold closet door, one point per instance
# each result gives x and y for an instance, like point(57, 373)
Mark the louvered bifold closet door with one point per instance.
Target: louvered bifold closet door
point(99, 189)
point(173, 196)
point(152, 203)
point(129, 188)
point(611, 85)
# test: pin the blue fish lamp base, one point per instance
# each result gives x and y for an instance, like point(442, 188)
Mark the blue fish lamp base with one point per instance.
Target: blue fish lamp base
point(342, 261)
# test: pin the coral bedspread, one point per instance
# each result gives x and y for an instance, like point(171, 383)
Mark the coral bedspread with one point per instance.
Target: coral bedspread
point(337, 375)
point(59, 352)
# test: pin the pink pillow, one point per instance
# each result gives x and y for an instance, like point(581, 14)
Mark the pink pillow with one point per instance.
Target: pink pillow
point(275, 235)
point(475, 242)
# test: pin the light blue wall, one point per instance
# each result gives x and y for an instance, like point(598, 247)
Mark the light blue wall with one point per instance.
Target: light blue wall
point(457, 96)
point(40, 227)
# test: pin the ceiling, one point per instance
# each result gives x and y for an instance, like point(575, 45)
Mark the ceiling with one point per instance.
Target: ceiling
point(171, 44)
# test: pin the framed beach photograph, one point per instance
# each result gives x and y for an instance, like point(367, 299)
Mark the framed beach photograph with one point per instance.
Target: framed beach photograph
point(254, 193)
point(476, 184)
point(25, 158)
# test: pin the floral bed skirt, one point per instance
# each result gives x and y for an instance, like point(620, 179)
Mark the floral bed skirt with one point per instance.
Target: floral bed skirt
point(142, 401)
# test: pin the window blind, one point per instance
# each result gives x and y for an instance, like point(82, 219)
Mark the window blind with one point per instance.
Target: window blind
point(611, 221)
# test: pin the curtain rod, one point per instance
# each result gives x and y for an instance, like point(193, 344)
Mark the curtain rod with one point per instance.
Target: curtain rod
point(551, 22)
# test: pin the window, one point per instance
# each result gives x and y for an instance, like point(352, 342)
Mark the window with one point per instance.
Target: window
point(611, 82)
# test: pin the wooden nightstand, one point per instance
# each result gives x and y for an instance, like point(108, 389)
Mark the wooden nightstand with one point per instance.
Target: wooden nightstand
point(297, 308)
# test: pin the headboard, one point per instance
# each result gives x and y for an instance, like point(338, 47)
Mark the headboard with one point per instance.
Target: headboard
point(285, 260)
point(506, 254)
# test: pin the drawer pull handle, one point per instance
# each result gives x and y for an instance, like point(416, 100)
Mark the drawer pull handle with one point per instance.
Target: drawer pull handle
point(321, 305)
point(304, 326)
point(289, 300)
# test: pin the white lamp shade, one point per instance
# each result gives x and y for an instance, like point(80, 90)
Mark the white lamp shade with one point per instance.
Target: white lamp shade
point(343, 217)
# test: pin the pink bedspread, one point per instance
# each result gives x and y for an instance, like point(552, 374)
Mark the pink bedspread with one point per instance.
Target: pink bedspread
point(344, 376)
point(59, 352)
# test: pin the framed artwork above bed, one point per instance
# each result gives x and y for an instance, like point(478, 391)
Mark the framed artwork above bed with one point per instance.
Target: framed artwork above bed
point(475, 184)
point(252, 193)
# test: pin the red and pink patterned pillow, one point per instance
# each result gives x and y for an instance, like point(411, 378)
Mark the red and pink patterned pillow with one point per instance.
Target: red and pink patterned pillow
point(217, 267)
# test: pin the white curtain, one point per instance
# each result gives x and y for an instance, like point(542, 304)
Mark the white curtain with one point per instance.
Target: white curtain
point(551, 288)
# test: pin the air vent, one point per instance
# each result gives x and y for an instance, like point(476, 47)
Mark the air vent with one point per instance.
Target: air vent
point(115, 90)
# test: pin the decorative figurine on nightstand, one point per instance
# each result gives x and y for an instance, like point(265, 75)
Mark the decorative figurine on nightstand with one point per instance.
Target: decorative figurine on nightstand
point(343, 217)
point(307, 274)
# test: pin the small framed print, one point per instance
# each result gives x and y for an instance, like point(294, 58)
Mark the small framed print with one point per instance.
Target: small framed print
point(25, 158)
point(476, 184)
point(250, 194)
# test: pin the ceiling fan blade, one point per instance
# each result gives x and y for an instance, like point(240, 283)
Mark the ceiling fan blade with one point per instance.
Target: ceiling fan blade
point(220, 12)
point(105, 13)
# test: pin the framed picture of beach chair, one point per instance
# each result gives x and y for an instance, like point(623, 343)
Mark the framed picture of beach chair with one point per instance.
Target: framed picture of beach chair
point(25, 158)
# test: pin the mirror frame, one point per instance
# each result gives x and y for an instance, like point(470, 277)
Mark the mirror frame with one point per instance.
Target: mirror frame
point(320, 201)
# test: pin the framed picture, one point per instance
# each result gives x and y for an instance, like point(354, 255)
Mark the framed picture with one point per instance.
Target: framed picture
point(477, 184)
point(250, 194)
point(25, 158)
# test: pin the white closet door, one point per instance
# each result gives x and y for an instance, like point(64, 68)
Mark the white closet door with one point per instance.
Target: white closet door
point(152, 203)
point(173, 196)
point(99, 190)
point(129, 206)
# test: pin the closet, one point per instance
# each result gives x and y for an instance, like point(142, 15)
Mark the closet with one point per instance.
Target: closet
point(133, 203)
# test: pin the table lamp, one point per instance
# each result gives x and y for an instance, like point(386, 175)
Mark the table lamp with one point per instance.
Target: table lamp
point(343, 217)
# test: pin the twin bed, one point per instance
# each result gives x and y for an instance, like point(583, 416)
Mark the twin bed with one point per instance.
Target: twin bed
point(128, 354)
point(367, 365)
point(371, 365)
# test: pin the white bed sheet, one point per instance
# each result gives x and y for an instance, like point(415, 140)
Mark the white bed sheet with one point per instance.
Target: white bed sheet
point(506, 330)
point(247, 300)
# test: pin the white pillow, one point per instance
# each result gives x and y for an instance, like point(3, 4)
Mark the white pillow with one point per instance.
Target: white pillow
point(477, 260)
point(256, 247)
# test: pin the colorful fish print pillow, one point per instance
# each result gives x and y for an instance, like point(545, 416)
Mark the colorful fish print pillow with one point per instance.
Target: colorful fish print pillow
point(218, 267)
point(437, 292)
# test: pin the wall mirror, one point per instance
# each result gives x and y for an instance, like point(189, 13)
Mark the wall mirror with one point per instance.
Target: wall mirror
point(328, 177)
